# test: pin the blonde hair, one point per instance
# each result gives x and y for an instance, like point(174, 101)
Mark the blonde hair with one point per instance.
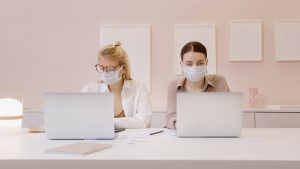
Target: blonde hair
point(115, 52)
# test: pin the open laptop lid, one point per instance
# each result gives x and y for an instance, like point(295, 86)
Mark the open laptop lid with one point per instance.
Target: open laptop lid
point(79, 115)
point(209, 114)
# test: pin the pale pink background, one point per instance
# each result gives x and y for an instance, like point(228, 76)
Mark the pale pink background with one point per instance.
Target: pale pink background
point(52, 45)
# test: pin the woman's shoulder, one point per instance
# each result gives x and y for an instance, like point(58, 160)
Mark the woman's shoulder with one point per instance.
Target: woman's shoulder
point(133, 84)
point(94, 87)
point(175, 83)
point(219, 82)
point(215, 78)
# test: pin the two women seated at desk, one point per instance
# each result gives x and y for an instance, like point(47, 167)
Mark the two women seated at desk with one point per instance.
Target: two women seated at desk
point(132, 104)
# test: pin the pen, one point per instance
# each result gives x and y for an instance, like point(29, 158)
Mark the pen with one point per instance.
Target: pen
point(156, 132)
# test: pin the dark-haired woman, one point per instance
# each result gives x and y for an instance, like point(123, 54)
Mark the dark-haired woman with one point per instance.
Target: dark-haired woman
point(193, 62)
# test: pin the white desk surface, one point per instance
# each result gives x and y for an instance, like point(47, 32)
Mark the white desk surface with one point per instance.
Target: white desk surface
point(256, 145)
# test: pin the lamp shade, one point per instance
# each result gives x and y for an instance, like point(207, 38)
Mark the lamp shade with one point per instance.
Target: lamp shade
point(11, 111)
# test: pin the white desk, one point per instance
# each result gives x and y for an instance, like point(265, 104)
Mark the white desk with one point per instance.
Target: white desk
point(257, 148)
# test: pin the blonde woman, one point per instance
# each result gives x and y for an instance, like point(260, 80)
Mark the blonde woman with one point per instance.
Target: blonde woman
point(194, 79)
point(132, 105)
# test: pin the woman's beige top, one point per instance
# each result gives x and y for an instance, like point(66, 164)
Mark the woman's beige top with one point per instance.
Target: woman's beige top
point(212, 83)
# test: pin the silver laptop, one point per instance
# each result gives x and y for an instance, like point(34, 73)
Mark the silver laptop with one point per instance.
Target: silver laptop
point(79, 115)
point(207, 114)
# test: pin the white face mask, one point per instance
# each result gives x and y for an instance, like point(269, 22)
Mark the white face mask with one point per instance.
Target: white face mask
point(110, 78)
point(194, 73)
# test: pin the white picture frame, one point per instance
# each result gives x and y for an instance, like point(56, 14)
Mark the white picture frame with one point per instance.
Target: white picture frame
point(246, 40)
point(203, 33)
point(136, 41)
point(287, 40)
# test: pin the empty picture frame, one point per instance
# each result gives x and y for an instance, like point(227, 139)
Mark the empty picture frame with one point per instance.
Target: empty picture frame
point(246, 41)
point(288, 40)
point(135, 40)
point(204, 33)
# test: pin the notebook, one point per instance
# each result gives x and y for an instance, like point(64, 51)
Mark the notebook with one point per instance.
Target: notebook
point(79, 148)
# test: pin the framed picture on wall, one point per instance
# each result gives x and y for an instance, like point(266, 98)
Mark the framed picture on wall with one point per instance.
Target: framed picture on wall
point(246, 40)
point(203, 33)
point(288, 40)
point(136, 41)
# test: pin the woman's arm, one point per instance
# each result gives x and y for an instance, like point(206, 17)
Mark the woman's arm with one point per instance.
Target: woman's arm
point(171, 105)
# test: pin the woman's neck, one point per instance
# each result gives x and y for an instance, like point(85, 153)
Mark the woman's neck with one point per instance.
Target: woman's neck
point(117, 87)
point(194, 86)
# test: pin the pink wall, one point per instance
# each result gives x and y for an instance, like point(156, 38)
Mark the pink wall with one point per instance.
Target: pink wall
point(52, 45)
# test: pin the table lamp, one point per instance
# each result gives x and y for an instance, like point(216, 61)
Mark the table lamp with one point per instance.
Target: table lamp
point(11, 108)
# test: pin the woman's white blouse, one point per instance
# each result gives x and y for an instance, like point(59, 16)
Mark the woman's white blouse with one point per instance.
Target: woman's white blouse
point(135, 100)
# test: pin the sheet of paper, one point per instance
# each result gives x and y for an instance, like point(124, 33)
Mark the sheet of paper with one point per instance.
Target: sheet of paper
point(138, 136)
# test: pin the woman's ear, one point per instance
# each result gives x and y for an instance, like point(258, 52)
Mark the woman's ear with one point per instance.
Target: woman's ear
point(181, 64)
point(206, 62)
point(122, 72)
